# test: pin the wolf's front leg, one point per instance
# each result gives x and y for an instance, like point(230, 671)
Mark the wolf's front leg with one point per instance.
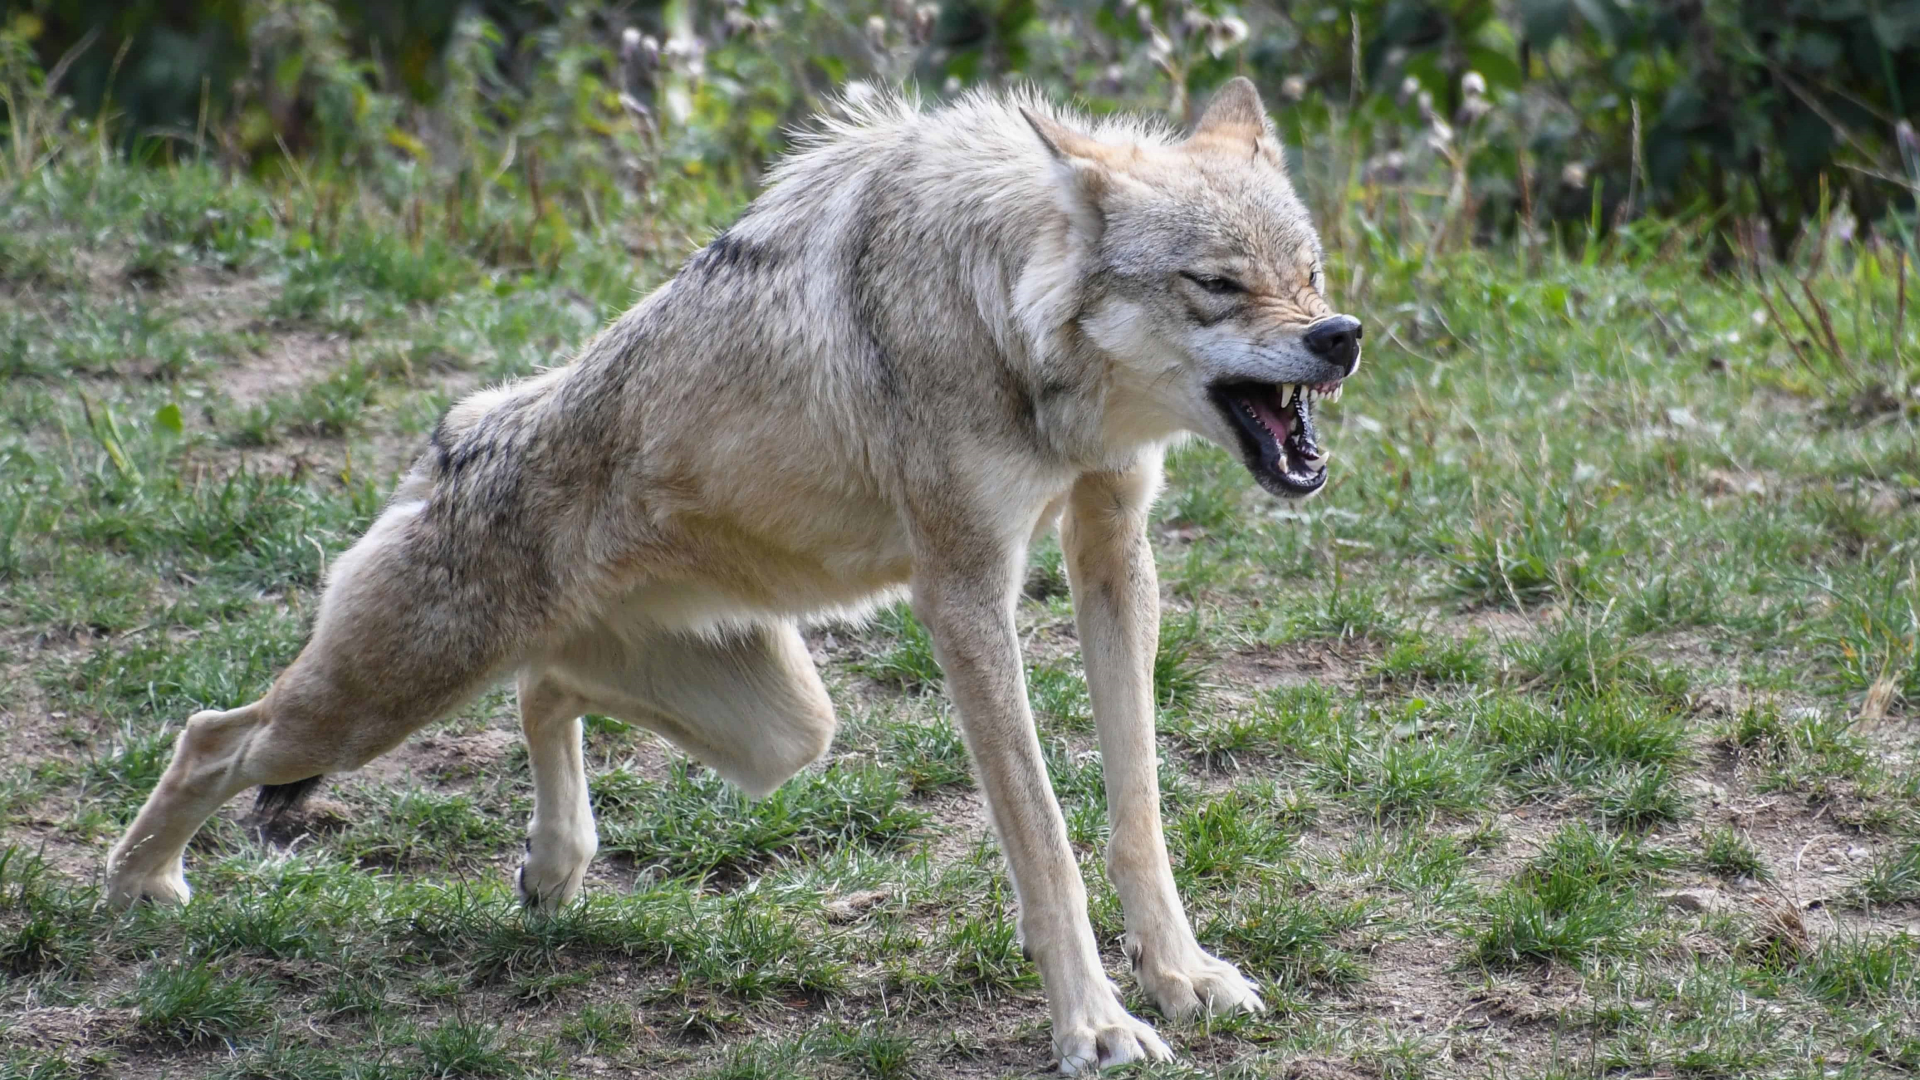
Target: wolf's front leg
point(1116, 602)
point(561, 838)
point(967, 604)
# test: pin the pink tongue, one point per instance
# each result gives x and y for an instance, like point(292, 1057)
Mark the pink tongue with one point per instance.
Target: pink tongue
point(1278, 424)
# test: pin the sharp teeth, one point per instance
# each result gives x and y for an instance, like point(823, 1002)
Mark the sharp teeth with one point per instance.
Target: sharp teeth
point(1286, 394)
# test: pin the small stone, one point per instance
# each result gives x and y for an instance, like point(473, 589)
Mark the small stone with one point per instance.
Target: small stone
point(853, 905)
point(1691, 899)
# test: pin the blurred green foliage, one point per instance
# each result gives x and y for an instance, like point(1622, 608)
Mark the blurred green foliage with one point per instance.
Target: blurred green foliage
point(1743, 105)
point(1506, 115)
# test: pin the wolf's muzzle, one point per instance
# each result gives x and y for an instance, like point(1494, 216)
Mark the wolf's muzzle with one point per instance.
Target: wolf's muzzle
point(1336, 339)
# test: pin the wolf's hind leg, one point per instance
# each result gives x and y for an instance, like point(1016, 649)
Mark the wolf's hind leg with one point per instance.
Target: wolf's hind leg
point(748, 704)
point(560, 839)
point(209, 767)
point(395, 647)
point(313, 721)
point(281, 740)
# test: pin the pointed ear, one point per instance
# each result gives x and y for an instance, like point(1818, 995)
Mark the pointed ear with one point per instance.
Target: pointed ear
point(1081, 172)
point(1235, 112)
point(1061, 141)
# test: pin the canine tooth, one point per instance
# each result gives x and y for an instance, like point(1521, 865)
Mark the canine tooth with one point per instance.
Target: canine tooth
point(1335, 396)
point(1286, 394)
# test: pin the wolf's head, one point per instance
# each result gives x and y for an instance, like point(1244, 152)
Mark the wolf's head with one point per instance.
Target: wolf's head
point(1205, 283)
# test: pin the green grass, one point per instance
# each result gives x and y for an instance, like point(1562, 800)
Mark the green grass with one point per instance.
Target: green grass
point(1638, 797)
point(1580, 742)
point(1894, 877)
point(1402, 778)
point(420, 826)
point(982, 953)
point(1731, 855)
point(1417, 658)
point(187, 1002)
point(1297, 944)
point(1520, 554)
point(1854, 969)
point(905, 656)
point(1449, 734)
point(693, 824)
point(1216, 842)
point(1177, 672)
point(1593, 657)
point(1573, 901)
point(929, 754)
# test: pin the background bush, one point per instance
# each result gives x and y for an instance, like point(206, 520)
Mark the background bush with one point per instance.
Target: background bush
point(1497, 118)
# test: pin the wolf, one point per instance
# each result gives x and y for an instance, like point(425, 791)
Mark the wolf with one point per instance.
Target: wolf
point(933, 337)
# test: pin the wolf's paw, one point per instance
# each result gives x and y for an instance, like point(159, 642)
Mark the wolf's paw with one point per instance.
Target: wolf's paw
point(551, 874)
point(166, 888)
point(1197, 984)
point(1112, 1037)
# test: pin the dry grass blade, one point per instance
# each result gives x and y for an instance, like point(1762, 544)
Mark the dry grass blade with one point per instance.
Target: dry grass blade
point(1779, 934)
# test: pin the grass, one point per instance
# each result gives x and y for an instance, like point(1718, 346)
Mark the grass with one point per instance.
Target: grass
point(1541, 656)
point(693, 824)
point(1426, 658)
point(189, 1002)
point(1731, 855)
point(1579, 742)
point(1572, 902)
point(1865, 969)
point(905, 656)
point(1545, 549)
point(1291, 943)
point(1894, 877)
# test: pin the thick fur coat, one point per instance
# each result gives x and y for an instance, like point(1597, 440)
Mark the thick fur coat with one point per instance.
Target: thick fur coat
point(934, 335)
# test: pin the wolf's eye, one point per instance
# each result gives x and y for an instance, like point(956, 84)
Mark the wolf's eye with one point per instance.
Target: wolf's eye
point(1316, 280)
point(1219, 286)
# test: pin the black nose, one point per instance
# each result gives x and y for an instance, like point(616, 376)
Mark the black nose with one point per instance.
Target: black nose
point(1336, 339)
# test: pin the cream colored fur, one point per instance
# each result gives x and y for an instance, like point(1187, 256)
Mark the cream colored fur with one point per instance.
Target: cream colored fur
point(934, 335)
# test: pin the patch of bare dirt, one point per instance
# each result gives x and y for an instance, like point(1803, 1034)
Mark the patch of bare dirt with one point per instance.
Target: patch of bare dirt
point(1503, 623)
point(959, 826)
point(1544, 998)
point(1412, 988)
point(1326, 1069)
point(445, 757)
point(208, 299)
point(292, 359)
point(1297, 663)
point(59, 1027)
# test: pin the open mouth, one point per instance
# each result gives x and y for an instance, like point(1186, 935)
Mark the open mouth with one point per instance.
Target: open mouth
point(1275, 421)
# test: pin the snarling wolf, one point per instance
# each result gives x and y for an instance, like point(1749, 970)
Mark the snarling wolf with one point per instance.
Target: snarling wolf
point(933, 337)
